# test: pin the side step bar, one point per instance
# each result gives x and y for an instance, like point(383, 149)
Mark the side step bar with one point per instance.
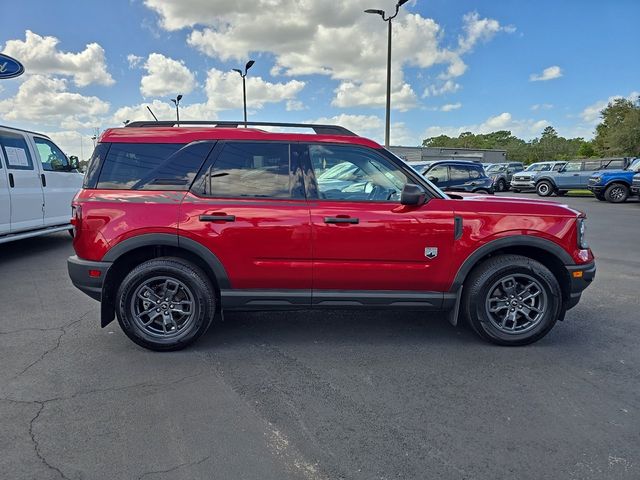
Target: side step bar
point(33, 233)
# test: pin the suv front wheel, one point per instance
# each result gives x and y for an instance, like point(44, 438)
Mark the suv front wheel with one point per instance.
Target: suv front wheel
point(544, 188)
point(165, 304)
point(512, 300)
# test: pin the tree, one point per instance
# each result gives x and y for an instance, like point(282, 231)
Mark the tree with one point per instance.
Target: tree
point(619, 132)
point(586, 150)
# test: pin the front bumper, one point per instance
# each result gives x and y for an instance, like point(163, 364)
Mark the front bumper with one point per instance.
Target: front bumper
point(581, 277)
point(88, 276)
point(523, 184)
point(595, 188)
point(635, 188)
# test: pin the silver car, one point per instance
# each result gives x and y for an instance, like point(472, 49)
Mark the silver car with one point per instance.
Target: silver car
point(525, 180)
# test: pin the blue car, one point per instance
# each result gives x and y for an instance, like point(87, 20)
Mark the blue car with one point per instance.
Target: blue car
point(455, 175)
point(614, 186)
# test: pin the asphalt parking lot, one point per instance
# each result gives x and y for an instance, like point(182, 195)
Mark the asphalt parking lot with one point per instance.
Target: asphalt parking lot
point(320, 395)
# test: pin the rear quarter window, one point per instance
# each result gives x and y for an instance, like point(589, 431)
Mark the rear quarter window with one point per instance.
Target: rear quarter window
point(146, 166)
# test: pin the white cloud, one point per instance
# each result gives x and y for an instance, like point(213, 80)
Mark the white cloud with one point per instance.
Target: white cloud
point(524, 128)
point(450, 106)
point(166, 76)
point(294, 105)
point(40, 55)
point(341, 42)
point(371, 126)
point(224, 90)
point(46, 100)
point(541, 106)
point(478, 29)
point(549, 73)
point(448, 86)
point(590, 116)
point(134, 60)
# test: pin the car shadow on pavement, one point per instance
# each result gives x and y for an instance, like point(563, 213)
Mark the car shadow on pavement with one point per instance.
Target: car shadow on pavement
point(334, 327)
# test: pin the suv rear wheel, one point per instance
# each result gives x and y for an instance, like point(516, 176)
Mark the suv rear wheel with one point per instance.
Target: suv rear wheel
point(165, 304)
point(616, 193)
point(512, 300)
point(501, 186)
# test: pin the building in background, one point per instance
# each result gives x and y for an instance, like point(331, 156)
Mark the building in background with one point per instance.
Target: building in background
point(425, 154)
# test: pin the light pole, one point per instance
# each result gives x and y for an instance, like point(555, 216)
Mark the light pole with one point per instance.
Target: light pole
point(176, 101)
point(244, 87)
point(387, 128)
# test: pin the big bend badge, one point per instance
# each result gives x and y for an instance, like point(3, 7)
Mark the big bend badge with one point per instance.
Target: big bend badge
point(431, 252)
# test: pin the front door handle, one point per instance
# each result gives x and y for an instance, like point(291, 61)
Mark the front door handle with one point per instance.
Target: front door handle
point(218, 217)
point(12, 183)
point(341, 220)
point(44, 180)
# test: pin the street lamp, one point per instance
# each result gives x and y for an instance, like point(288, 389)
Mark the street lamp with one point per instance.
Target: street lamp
point(176, 101)
point(244, 86)
point(382, 13)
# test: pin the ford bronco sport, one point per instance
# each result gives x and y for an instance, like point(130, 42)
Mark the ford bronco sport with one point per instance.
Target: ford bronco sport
point(176, 225)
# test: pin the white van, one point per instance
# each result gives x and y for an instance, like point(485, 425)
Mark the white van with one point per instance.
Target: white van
point(37, 184)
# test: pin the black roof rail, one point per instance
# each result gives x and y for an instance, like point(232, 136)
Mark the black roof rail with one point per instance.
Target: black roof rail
point(318, 129)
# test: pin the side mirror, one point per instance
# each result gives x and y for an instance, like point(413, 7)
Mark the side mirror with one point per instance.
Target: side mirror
point(74, 163)
point(433, 179)
point(412, 195)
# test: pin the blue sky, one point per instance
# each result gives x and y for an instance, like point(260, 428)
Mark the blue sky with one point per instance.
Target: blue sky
point(317, 61)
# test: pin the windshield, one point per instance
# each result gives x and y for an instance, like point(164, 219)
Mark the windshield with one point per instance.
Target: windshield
point(496, 169)
point(538, 167)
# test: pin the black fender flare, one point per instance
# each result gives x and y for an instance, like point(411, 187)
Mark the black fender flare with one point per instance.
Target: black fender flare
point(548, 179)
point(517, 241)
point(153, 240)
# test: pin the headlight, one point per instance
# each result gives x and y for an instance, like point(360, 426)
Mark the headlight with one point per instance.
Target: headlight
point(596, 179)
point(582, 229)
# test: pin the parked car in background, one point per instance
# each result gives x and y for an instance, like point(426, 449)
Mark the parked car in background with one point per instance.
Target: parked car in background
point(455, 175)
point(37, 184)
point(524, 180)
point(574, 175)
point(635, 186)
point(614, 185)
point(502, 173)
point(176, 225)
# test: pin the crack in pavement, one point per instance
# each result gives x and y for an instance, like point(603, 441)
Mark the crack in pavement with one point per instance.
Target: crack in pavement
point(43, 403)
point(177, 467)
point(63, 332)
point(36, 444)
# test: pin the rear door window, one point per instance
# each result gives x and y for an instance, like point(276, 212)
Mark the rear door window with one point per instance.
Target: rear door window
point(250, 169)
point(459, 173)
point(158, 166)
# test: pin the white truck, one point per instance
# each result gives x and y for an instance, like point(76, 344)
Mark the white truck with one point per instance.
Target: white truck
point(37, 184)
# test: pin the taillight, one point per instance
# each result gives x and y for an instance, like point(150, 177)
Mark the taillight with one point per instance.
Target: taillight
point(76, 218)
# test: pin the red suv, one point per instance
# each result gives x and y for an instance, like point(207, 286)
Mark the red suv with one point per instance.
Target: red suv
point(176, 225)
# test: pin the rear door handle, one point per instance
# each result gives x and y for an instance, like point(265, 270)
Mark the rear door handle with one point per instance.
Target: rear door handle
point(44, 180)
point(341, 220)
point(222, 217)
point(12, 183)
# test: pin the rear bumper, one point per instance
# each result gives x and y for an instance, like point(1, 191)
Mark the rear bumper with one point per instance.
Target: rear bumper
point(84, 275)
point(581, 277)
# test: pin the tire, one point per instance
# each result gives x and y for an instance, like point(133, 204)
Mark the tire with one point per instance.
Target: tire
point(544, 188)
point(171, 327)
point(483, 289)
point(616, 193)
point(482, 191)
point(561, 193)
point(501, 186)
